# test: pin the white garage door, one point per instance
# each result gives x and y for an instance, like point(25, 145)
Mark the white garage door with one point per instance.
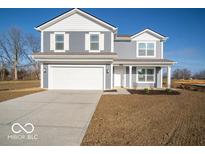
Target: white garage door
point(82, 78)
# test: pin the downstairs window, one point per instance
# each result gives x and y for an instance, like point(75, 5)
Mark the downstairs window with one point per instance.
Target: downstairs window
point(145, 75)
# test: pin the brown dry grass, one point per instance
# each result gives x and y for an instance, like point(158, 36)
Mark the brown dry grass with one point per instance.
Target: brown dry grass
point(190, 81)
point(14, 89)
point(176, 83)
point(10, 85)
point(148, 120)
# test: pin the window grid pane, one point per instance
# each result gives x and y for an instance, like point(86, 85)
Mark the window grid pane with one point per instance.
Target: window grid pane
point(141, 71)
point(59, 38)
point(94, 46)
point(59, 46)
point(142, 45)
point(150, 71)
point(141, 77)
point(150, 78)
point(150, 52)
point(94, 42)
point(146, 75)
point(146, 49)
point(150, 46)
point(94, 38)
point(142, 52)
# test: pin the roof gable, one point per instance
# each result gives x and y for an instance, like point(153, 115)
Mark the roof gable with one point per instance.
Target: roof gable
point(150, 32)
point(79, 14)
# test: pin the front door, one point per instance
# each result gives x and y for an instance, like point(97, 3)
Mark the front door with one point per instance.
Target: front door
point(117, 76)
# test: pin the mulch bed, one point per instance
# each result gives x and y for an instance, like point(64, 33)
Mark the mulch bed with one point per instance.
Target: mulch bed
point(153, 92)
point(113, 90)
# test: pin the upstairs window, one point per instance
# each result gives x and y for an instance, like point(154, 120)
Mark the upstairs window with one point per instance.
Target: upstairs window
point(94, 41)
point(146, 49)
point(145, 75)
point(59, 41)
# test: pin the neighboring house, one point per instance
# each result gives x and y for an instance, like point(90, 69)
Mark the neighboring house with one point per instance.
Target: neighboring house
point(82, 52)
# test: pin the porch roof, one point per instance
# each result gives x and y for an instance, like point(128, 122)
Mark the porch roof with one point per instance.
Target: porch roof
point(150, 62)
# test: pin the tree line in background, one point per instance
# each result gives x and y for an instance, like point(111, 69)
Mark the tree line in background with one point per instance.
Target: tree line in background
point(186, 74)
point(16, 48)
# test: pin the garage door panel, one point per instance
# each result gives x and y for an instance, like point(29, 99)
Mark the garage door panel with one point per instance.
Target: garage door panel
point(83, 78)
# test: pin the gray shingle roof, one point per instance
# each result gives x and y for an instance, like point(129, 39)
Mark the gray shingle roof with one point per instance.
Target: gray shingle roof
point(74, 53)
point(144, 60)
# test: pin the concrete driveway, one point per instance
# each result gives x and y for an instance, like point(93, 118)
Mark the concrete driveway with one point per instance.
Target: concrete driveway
point(59, 118)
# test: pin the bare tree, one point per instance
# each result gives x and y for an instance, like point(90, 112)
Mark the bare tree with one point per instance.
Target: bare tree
point(33, 44)
point(12, 45)
point(199, 75)
point(182, 74)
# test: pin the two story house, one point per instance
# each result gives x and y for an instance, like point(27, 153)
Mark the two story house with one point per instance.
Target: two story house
point(82, 52)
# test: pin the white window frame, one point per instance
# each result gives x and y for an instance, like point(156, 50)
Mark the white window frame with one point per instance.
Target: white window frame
point(62, 33)
point(94, 33)
point(146, 42)
point(137, 80)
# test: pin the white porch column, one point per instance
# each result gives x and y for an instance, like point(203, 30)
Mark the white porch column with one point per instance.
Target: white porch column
point(169, 77)
point(41, 75)
point(130, 76)
point(121, 75)
point(161, 80)
point(111, 71)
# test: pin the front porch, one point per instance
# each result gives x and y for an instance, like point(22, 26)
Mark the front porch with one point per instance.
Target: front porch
point(139, 76)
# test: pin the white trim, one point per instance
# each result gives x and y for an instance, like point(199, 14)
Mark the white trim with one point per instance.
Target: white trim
point(69, 13)
point(67, 42)
point(102, 41)
point(150, 31)
point(50, 76)
point(124, 76)
point(41, 75)
point(145, 74)
point(130, 76)
point(112, 42)
point(144, 63)
point(161, 77)
point(168, 76)
point(121, 75)
point(52, 41)
point(111, 71)
point(162, 50)
point(137, 52)
point(63, 33)
point(42, 41)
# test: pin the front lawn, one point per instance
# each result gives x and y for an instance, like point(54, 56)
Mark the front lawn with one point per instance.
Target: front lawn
point(148, 120)
point(13, 89)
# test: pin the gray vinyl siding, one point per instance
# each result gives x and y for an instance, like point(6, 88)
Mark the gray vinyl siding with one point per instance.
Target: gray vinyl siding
point(45, 76)
point(125, 50)
point(158, 49)
point(46, 41)
point(108, 77)
point(128, 50)
point(77, 41)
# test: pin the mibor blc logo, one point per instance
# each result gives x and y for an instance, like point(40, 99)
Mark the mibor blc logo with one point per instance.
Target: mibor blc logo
point(18, 128)
point(22, 132)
